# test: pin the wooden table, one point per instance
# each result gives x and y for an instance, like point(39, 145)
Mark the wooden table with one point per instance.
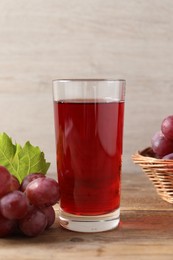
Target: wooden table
point(145, 232)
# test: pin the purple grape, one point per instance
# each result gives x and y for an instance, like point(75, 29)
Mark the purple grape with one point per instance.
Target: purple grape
point(14, 205)
point(43, 192)
point(50, 215)
point(33, 223)
point(5, 181)
point(161, 145)
point(29, 178)
point(14, 183)
point(168, 156)
point(7, 226)
point(167, 127)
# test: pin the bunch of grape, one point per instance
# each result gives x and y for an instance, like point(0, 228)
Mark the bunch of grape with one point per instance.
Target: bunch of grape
point(26, 208)
point(162, 141)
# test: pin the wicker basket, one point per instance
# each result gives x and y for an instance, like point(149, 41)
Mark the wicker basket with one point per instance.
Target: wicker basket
point(159, 171)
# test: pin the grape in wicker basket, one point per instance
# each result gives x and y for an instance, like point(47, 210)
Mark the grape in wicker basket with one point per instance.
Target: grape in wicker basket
point(161, 145)
point(162, 141)
point(167, 127)
point(168, 156)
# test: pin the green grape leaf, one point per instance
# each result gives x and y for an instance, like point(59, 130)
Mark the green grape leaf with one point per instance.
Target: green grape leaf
point(21, 161)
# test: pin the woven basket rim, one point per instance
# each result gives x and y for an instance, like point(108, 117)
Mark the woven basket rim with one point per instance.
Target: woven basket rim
point(147, 154)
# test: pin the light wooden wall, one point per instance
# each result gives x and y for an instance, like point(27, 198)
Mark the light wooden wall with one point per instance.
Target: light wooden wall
point(42, 40)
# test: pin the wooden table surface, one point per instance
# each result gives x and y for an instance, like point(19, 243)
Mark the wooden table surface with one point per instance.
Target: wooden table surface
point(145, 232)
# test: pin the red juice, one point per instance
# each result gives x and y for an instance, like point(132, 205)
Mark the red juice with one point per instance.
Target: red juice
point(89, 149)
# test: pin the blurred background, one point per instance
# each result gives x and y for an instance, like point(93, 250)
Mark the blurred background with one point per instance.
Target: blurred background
point(44, 40)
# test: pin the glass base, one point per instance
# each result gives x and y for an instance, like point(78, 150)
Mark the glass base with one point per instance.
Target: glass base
point(89, 223)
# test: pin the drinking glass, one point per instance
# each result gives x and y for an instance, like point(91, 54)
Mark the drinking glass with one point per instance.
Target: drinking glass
point(89, 117)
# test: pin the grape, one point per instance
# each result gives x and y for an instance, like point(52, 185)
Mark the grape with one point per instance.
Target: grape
point(7, 226)
point(50, 215)
point(30, 178)
point(167, 127)
point(14, 183)
point(8, 182)
point(161, 145)
point(43, 192)
point(14, 205)
point(5, 181)
point(33, 223)
point(168, 156)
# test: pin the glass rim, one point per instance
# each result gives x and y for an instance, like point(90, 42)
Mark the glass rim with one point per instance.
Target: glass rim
point(88, 80)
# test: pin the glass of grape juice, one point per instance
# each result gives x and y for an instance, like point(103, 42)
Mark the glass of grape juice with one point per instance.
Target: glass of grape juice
point(89, 117)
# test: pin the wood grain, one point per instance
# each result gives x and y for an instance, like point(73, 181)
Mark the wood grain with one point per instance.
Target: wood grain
point(140, 234)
